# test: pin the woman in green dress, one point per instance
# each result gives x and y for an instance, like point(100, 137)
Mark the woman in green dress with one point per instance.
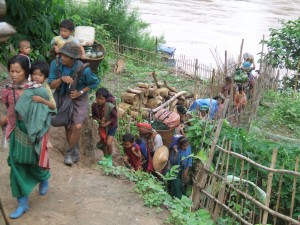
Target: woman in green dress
point(32, 120)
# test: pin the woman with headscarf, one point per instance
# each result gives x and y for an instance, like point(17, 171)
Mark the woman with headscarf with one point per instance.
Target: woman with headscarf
point(153, 141)
point(27, 126)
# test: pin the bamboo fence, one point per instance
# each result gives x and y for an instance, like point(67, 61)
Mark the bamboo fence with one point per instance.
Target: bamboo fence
point(158, 60)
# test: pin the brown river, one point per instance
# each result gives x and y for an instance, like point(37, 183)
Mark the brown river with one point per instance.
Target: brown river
point(197, 27)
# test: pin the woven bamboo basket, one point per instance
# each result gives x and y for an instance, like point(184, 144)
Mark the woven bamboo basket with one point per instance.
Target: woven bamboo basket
point(95, 62)
point(167, 136)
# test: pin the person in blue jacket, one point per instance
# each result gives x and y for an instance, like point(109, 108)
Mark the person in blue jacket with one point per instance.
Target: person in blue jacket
point(213, 105)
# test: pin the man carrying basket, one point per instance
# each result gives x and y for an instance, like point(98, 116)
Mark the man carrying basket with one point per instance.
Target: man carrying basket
point(72, 80)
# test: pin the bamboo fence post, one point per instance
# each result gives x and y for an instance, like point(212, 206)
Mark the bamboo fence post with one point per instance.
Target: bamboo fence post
point(225, 64)
point(212, 179)
point(262, 54)
point(285, 78)
point(156, 54)
point(223, 188)
point(279, 195)
point(296, 79)
point(269, 187)
point(241, 52)
point(294, 187)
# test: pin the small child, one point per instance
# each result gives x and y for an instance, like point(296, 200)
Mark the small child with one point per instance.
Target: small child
point(133, 155)
point(240, 99)
point(25, 49)
point(66, 28)
point(39, 73)
point(105, 114)
point(226, 88)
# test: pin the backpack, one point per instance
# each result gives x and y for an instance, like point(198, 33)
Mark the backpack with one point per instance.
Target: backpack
point(171, 119)
point(240, 76)
point(143, 147)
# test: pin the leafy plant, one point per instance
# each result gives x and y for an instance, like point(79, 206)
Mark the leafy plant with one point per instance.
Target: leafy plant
point(283, 45)
point(34, 20)
point(154, 194)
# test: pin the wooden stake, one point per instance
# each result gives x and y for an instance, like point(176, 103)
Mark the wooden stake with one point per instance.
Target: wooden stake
point(279, 195)
point(241, 52)
point(269, 187)
point(294, 187)
point(226, 64)
point(296, 79)
point(262, 54)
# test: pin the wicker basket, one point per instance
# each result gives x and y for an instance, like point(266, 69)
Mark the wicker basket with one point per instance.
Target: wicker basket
point(167, 136)
point(95, 62)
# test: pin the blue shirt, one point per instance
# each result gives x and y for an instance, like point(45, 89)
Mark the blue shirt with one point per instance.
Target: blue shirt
point(87, 79)
point(206, 101)
point(187, 162)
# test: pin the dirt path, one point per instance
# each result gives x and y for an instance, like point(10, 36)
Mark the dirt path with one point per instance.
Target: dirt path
point(79, 196)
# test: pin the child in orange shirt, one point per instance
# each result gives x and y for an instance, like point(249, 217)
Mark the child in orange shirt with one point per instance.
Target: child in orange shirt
point(240, 99)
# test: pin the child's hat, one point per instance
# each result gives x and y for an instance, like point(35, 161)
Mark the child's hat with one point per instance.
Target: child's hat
point(70, 49)
point(160, 158)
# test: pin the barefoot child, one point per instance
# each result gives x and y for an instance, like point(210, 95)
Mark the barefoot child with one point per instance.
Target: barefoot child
point(105, 114)
point(133, 155)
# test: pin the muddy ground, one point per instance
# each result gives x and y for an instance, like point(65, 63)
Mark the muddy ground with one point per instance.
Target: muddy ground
point(79, 195)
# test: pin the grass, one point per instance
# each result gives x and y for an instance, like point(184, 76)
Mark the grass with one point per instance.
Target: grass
point(275, 120)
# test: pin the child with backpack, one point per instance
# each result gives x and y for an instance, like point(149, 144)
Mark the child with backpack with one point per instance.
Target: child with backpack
point(105, 113)
point(133, 155)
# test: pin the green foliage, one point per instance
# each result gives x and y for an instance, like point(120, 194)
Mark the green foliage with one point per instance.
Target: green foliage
point(259, 150)
point(154, 194)
point(3, 76)
point(34, 21)
point(283, 45)
point(115, 17)
point(284, 112)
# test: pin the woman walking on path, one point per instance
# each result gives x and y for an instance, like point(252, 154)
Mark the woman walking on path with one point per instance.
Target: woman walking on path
point(27, 127)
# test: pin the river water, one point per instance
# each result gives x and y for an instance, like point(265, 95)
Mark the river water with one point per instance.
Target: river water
point(197, 27)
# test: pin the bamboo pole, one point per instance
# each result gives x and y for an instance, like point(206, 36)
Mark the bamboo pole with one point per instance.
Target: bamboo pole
point(221, 196)
point(279, 195)
point(241, 52)
point(253, 200)
point(296, 79)
point(167, 102)
point(225, 64)
point(261, 54)
point(294, 188)
point(269, 187)
point(227, 208)
point(259, 165)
